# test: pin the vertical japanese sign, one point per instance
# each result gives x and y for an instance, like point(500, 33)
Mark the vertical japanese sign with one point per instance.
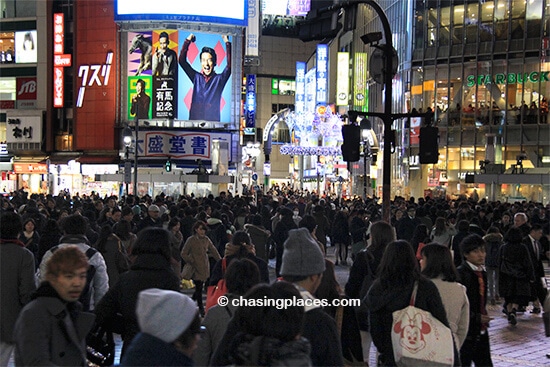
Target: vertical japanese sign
point(300, 99)
point(322, 73)
point(311, 88)
point(250, 104)
point(342, 79)
point(58, 49)
point(359, 78)
point(253, 29)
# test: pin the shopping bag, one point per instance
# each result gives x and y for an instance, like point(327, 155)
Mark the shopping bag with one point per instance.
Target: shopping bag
point(187, 272)
point(216, 291)
point(419, 339)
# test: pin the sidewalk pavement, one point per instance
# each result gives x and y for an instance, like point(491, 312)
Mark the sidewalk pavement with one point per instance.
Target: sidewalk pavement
point(522, 345)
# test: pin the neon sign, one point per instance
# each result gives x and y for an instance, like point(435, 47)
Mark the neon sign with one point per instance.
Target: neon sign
point(96, 74)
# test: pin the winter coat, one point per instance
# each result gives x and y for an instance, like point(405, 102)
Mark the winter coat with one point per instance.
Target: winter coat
point(195, 252)
point(383, 301)
point(147, 350)
point(148, 271)
point(51, 332)
point(116, 259)
point(217, 272)
point(493, 243)
point(259, 236)
point(249, 350)
point(516, 275)
point(468, 277)
point(16, 285)
point(100, 283)
point(215, 323)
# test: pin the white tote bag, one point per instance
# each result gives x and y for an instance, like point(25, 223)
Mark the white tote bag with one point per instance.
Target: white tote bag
point(419, 339)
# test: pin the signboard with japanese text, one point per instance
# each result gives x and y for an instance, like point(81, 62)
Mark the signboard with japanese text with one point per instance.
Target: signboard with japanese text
point(190, 74)
point(58, 49)
point(216, 11)
point(300, 99)
point(253, 29)
point(23, 129)
point(40, 168)
point(360, 79)
point(310, 90)
point(322, 73)
point(179, 144)
point(250, 102)
point(342, 79)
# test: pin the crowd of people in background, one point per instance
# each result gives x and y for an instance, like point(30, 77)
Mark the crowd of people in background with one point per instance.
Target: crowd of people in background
point(463, 254)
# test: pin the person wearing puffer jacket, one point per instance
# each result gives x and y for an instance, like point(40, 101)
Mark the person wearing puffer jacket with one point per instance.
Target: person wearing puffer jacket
point(493, 240)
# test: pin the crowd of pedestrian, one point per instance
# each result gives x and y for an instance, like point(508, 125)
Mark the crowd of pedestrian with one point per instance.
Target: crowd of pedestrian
point(80, 258)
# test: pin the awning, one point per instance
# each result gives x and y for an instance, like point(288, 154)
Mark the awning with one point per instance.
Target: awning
point(95, 159)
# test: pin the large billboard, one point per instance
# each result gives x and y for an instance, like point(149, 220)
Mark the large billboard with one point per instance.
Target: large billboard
point(178, 74)
point(215, 11)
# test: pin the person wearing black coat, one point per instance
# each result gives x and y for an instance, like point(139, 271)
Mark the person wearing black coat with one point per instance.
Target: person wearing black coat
point(151, 269)
point(398, 273)
point(280, 234)
point(476, 347)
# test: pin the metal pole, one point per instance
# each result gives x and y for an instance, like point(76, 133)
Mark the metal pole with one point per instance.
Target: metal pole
point(136, 160)
point(365, 169)
point(126, 157)
point(388, 77)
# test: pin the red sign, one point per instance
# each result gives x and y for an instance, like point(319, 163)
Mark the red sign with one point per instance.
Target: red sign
point(62, 60)
point(26, 89)
point(58, 86)
point(7, 105)
point(58, 49)
point(30, 168)
point(58, 31)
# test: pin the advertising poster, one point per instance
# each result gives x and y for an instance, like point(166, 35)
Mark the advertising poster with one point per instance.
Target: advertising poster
point(164, 68)
point(204, 98)
point(25, 47)
point(197, 87)
point(139, 97)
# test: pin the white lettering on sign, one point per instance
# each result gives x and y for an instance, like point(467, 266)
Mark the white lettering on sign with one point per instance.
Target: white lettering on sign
point(97, 74)
point(28, 87)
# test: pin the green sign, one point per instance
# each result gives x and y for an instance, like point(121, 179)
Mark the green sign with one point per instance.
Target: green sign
point(511, 78)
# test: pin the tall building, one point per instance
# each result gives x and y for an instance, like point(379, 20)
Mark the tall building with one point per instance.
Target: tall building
point(483, 68)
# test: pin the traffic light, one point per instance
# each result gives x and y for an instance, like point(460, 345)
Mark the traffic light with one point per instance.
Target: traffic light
point(352, 139)
point(168, 165)
point(429, 149)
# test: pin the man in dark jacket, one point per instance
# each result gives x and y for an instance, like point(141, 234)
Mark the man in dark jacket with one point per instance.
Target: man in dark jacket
point(17, 285)
point(406, 226)
point(536, 253)
point(472, 275)
point(303, 265)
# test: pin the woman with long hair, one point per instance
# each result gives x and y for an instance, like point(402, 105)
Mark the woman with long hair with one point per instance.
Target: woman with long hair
point(441, 233)
point(363, 273)
point(123, 230)
point(391, 291)
point(196, 251)
point(176, 241)
point(113, 252)
point(420, 235)
point(240, 247)
point(341, 237)
point(437, 264)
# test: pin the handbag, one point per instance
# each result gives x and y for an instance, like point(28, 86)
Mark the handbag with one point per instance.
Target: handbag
point(216, 291)
point(100, 347)
point(187, 272)
point(419, 339)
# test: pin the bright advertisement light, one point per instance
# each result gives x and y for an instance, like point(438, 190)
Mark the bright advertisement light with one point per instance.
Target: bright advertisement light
point(216, 11)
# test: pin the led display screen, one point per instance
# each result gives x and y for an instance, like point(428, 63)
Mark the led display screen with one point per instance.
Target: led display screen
point(215, 11)
point(25, 47)
point(178, 74)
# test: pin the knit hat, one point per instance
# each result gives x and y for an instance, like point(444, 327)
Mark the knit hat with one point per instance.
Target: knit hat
point(164, 314)
point(302, 255)
point(153, 208)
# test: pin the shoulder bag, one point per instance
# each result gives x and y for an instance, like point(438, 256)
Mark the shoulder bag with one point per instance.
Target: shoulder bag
point(419, 339)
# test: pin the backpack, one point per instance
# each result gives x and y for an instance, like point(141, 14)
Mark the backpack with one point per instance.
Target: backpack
point(86, 294)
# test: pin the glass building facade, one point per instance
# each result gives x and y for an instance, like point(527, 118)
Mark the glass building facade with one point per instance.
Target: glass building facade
point(483, 67)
